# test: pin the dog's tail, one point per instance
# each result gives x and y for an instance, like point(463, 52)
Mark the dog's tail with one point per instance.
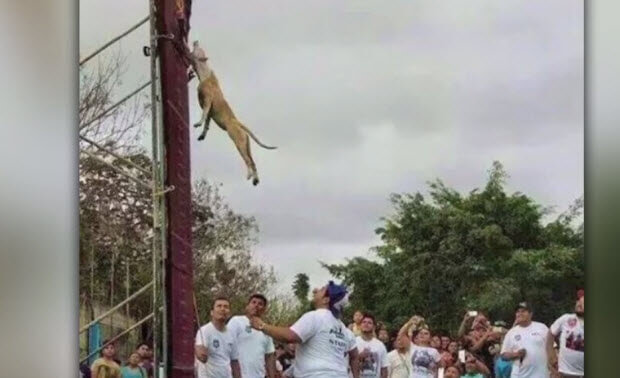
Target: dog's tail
point(251, 134)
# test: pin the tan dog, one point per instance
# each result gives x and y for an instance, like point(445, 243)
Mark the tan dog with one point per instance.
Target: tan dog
point(214, 106)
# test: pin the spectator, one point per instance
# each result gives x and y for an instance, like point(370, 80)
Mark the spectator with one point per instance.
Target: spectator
point(445, 341)
point(256, 350)
point(399, 359)
point(447, 358)
point(324, 341)
point(436, 342)
point(483, 339)
point(501, 368)
point(529, 345)
point(106, 366)
point(357, 322)
point(133, 369)
point(215, 346)
point(475, 368)
point(453, 348)
point(384, 336)
point(146, 358)
point(371, 352)
point(570, 329)
point(425, 360)
point(452, 372)
point(287, 358)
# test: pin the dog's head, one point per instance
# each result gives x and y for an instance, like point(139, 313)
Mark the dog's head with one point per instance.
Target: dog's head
point(198, 52)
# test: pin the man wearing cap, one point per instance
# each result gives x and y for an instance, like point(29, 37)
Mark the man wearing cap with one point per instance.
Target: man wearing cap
point(256, 350)
point(324, 340)
point(570, 329)
point(528, 345)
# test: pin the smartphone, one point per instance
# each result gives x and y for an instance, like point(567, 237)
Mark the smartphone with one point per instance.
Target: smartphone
point(473, 313)
point(462, 356)
point(440, 372)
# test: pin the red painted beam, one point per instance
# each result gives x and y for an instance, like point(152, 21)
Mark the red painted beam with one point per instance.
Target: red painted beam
point(172, 20)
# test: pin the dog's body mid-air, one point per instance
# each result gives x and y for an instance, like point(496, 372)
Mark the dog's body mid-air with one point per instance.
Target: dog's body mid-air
point(214, 106)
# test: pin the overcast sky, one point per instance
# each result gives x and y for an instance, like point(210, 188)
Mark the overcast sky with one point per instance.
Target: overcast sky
point(366, 98)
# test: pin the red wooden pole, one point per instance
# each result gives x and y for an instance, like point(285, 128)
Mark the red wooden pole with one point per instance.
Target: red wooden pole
point(172, 22)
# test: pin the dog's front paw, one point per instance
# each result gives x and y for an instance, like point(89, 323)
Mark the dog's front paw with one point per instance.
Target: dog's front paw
point(198, 124)
point(201, 136)
point(255, 181)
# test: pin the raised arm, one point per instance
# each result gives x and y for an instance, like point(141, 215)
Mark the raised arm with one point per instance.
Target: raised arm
point(411, 323)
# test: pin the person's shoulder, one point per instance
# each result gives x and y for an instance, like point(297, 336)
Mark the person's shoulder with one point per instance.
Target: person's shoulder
point(379, 344)
point(97, 362)
point(238, 320)
point(207, 328)
point(512, 331)
point(540, 325)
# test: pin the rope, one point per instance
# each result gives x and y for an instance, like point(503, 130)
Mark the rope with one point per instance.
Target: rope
point(99, 50)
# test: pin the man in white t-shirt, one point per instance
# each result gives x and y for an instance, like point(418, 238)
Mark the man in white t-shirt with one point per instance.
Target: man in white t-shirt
point(570, 329)
point(324, 340)
point(528, 345)
point(399, 359)
point(372, 355)
point(215, 347)
point(256, 350)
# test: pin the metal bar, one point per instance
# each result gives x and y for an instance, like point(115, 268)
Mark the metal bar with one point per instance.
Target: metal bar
point(117, 169)
point(158, 201)
point(172, 17)
point(115, 308)
point(136, 325)
point(125, 160)
point(117, 104)
point(112, 290)
point(114, 40)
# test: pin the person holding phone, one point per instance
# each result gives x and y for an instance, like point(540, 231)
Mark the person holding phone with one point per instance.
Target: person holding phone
point(528, 345)
point(425, 360)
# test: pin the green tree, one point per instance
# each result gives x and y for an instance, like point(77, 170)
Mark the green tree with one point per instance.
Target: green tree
point(483, 250)
point(223, 258)
point(301, 288)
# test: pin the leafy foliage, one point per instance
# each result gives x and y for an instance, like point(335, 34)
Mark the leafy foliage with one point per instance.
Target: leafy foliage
point(485, 250)
point(301, 288)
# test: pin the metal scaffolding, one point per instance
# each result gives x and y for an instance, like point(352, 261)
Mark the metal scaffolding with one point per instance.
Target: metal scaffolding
point(165, 188)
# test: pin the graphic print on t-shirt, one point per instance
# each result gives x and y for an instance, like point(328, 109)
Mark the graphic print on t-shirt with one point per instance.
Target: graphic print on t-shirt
point(422, 361)
point(337, 339)
point(369, 366)
point(575, 339)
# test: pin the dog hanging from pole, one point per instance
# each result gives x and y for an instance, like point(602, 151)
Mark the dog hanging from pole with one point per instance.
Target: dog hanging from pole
point(214, 106)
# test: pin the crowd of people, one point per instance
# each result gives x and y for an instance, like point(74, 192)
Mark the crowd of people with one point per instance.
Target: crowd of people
point(138, 365)
point(320, 345)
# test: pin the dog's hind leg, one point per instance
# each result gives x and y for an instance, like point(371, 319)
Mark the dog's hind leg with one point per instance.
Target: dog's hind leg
point(242, 142)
